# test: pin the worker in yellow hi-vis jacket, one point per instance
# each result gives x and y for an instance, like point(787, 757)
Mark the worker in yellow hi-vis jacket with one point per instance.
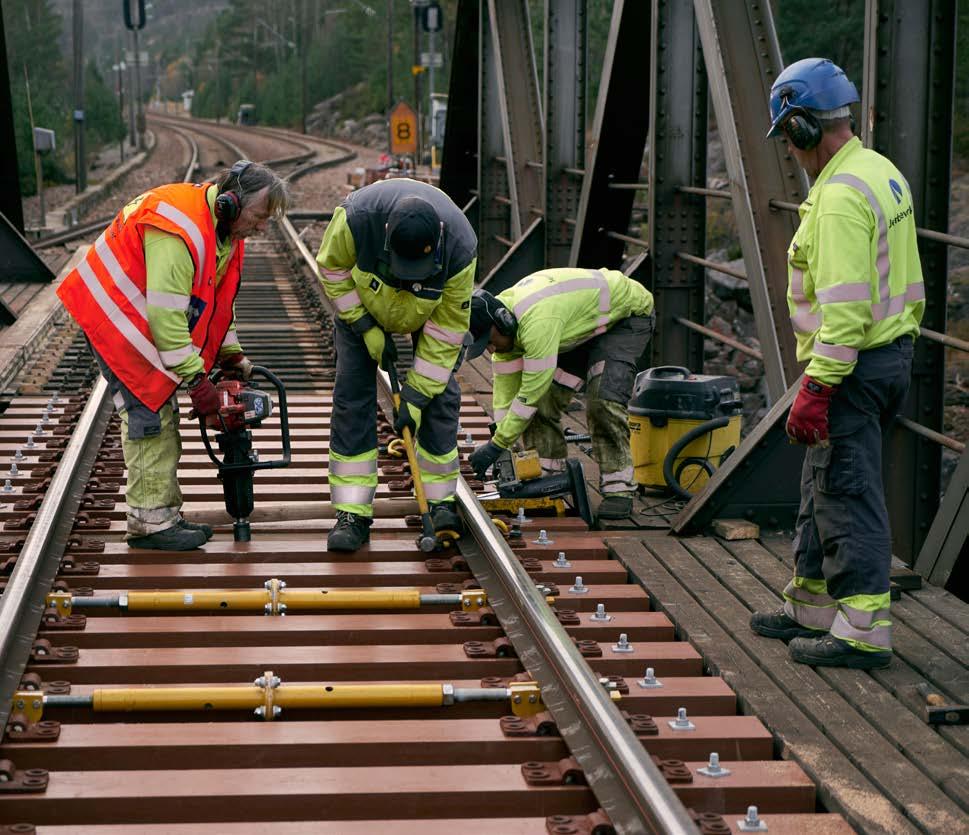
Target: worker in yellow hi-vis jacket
point(398, 257)
point(856, 298)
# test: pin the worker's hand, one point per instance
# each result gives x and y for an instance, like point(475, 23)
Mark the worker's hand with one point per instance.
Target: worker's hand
point(236, 367)
point(409, 417)
point(807, 422)
point(483, 457)
point(381, 348)
point(205, 399)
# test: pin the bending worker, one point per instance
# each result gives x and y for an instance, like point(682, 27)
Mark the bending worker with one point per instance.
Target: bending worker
point(154, 296)
point(856, 298)
point(397, 257)
point(549, 334)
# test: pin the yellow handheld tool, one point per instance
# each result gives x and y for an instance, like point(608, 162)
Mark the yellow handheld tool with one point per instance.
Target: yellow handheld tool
point(427, 541)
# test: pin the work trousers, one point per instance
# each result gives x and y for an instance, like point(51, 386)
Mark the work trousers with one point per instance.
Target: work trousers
point(606, 366)
point(152, 447)
point(353, 431)
point(842, 545)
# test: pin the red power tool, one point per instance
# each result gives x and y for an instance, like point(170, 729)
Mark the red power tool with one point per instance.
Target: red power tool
point(239, 406)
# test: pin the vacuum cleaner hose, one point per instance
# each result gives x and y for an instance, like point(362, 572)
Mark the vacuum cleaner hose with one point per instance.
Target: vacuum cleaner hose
point(682, 443)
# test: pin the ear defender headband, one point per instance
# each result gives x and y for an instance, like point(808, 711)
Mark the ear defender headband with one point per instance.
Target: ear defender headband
point(228, 205)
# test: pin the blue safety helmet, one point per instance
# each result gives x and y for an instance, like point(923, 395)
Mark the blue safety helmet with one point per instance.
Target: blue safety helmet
point(809, 84)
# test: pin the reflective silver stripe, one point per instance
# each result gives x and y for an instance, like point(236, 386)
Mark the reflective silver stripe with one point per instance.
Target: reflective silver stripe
point(436, 467)
point(803, 319)
point(179, 217)
point(134, 336)
point(563, 378)
point(520, 409)
point(500, 414)
point(798, 593)
point(543, 364)
point(432, 372)
point(552, 465)
point(835, 352)
point(437, 491)
point(815, 617)
point(121, 279)
point(621, 475)
point(896, 304)
point(347, 301)
point(118, 401)
point(860, 618)
point(176, 355)
point(335, 276)
point(345, 468)
point(567, 286)
point(508, 366)
point(231, 338)
point(877, 636)
point(170, 301)
point(443, 334)
point(352, 493)
point(881, 259)
point(618, 482)
point(596, 369)
point(854, 292)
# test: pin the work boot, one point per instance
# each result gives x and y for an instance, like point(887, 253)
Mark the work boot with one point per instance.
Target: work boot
point(616, 507)
point(779, 625)
point(350, 532)
point(829, 651)
point(196, 526)
point(175, 538)
point(445, 517)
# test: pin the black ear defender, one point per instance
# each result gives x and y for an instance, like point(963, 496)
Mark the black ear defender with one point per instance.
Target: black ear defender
point(802, 127)
point(505, 321)
point(228, 205)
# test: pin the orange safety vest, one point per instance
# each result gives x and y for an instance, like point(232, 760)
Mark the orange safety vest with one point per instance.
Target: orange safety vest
point(106, 292)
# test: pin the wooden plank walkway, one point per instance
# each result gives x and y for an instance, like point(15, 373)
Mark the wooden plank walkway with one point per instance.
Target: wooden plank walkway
point(861, 736)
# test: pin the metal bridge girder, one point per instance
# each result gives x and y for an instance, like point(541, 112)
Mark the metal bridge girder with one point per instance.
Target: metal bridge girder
point(620, 128)
point(511, 193)
point(678, 156)
point(743, 58)
point(908, 96)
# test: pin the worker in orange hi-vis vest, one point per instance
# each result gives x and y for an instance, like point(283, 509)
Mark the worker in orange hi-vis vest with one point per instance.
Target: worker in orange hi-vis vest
point(154, 296)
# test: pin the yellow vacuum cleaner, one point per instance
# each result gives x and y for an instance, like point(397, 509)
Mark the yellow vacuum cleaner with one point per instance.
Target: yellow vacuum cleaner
point(682, 427)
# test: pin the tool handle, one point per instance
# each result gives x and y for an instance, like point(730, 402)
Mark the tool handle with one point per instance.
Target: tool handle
point(412, 459)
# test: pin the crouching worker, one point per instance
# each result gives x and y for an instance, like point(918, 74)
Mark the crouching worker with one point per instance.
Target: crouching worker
point(397, 257)
point(550, 334)
point(154, 296)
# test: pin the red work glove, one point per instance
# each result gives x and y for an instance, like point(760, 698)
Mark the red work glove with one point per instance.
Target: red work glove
point(236, 366)
point(205, 399)
point(807, 422)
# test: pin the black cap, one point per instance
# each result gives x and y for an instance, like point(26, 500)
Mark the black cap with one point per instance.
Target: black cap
point(483, 312)
point(413, 234)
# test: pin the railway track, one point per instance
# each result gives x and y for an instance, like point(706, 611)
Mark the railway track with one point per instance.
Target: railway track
point(476, 687)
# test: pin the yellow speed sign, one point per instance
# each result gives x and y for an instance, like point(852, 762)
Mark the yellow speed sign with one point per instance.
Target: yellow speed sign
point(403, 130)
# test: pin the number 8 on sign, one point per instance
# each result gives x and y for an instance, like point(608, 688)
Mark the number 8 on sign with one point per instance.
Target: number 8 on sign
point(403, 130)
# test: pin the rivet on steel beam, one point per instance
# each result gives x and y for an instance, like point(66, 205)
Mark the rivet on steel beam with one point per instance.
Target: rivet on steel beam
point(713, 768)
point(30, 442)
point(54, 398)
point(18, 455)
point(649, 681)
point(469, 441)
point(39, 430)
point(282, 610)
point(276, 710)
point(45, 417)
point(600, 613)
point(13, 470)
point(561, 561)
point(578, 587)
point(260, 712)
point(521, 518)
point(542, 538)
point(260, 682)
point(681, 723)
point(753, 822)
point(8, 486)
point(623, 645)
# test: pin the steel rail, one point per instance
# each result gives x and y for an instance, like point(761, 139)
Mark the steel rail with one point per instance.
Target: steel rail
point(619, 770)
point(23, 601)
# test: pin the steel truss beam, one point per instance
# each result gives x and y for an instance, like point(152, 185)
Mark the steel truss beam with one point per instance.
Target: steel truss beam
point(678, 157)
point(620, 127)
point(10, 205)
point(743, 58)
point(511, 191)
point(908, 100)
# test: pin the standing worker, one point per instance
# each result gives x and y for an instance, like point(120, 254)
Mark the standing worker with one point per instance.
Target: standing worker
point(856, 298)
point(549, 334)
point(397, 257)
point(154, 296)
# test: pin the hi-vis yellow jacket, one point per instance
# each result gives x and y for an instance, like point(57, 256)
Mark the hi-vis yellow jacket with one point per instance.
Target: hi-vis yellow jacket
point(854, 276)
point(557, 310)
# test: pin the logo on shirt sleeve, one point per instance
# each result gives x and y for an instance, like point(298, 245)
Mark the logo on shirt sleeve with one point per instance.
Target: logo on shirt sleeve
point(896, 188)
